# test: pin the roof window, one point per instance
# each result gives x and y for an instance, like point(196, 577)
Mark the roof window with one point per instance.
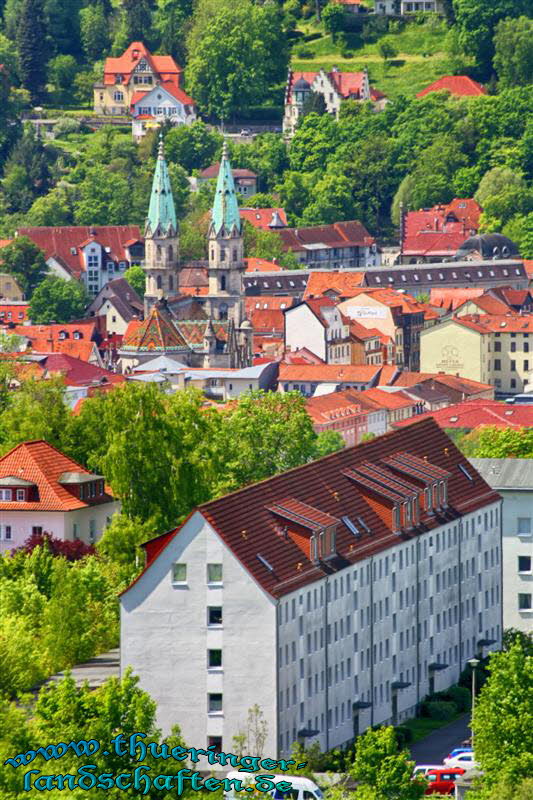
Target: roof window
point(265, 563)
point(351, 527)
point(466, 472)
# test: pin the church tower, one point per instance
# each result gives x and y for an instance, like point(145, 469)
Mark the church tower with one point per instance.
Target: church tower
point(226, 251)
point(161, 240)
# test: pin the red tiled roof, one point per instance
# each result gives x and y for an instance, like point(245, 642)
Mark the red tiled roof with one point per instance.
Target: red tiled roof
point(347, 84)
point(301, 356)
point(77, 372)
point(458, 85)
point(212, 172)
point(246, 524)
point(450, 299)
point(42, 464)
point(340, 234)
point(164, 66)
point(331, 406)
point(440, 230)
point(490, 305)
point(46, 338)
point(344, 284)
point(265, 302)
point(267, 320)
point(329, 373)
point(475, 413)
point(262, 217)
point(389, 400)
point(360, 332)
point(261, 265)
point(497, 323)
point(64, 243)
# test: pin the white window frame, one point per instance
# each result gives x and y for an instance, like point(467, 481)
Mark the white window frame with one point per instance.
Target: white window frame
point(179, 581)
point(6, 495)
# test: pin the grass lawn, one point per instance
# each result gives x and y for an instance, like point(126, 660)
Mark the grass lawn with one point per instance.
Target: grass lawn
point(422, 726)
point(421, 57)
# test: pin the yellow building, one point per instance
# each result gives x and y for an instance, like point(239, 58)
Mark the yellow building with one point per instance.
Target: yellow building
point(490, 348)
point(135, 72)
point(9, 288)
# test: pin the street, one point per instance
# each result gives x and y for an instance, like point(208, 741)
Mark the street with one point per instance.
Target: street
point(438, 744)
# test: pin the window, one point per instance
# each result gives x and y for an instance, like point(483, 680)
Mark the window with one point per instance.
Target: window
point(497, 347)
point(524, 602)
point(214, 658)
point(214, 703)
point(513, 365)
point(118, 97)
point(36, 530)
point(214, 615)
point(5, 532)
point(92, 530)
point(21, 495)
point(214, 573)
point(523, 524)
point(497, 364)
point(179, 573)
point(524, 563)
point(6, 494)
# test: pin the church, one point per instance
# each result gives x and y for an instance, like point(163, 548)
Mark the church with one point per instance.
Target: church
point(207, 331)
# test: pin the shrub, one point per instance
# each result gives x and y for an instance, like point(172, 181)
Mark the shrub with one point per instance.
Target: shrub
point(461, 697)
point(66, 125)
point(404, 735)
point(304, 52)
point(440, 709)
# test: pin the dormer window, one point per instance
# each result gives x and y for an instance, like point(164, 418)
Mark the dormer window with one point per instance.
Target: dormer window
point(78, 335)
point(435, 489)
point(427, 498)
point(6, 495)
point(21, 495)
point(443, 491)
point(63, 335)
point(396, 518)
point(407, 513)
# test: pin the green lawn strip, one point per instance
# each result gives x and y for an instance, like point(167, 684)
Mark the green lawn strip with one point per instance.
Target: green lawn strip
point(423, 726)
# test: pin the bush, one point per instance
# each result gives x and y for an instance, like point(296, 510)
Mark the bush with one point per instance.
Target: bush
point(404, 735)
point(439, 709)
point(66, 125)
point(304, 52)
point(461, 697)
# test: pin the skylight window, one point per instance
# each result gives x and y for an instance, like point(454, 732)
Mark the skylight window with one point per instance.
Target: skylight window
point(454, 275)
point(351, 527)
point(265, 563)
point(378, 279)
point(505, 271)
point(416, 277)
point(466, 472)
point(291, 283)
point(363, 524)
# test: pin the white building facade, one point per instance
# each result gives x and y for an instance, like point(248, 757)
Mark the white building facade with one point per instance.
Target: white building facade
point(513, 479)
point(329, 623)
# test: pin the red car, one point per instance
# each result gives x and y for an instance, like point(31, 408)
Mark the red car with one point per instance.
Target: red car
point(442, 781)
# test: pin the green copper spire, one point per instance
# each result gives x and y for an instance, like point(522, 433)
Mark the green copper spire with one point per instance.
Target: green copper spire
point(225, 215)
point(161, 219)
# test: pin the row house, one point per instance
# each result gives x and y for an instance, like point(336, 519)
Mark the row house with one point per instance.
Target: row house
point(369, 346)
point(118, 302)
point(397, 316)
point(319, 326)
point(324, 378)
point(464, 273)
point(340, 412)
point(91, 254)
point(342, 245)
point(512, 478)
point(365, 579)
point(135, 71)
point(493, 349)
point(44, 491)
point(398, 405)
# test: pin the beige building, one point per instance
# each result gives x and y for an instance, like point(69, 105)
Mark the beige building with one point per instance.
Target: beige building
point(491, 349)
point(9, 288)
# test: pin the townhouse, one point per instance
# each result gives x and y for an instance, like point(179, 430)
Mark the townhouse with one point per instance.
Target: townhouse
point(342, 245)
point(324, 378)
point(334, 596)
point(319, 326)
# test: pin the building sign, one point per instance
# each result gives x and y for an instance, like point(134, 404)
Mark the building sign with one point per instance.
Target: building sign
point(367, 312)
point(450, 359)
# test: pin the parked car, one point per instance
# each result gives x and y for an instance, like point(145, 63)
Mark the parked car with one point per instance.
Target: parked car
point(423, 769)
point(442, 780)
point(246, 132)
point(463, 760)
point(458, 751)
point(301, 788)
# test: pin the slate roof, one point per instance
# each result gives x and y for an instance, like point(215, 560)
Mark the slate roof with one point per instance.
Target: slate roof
point(40, 463)
point(505, 473)
point(288, 282)
point(246, 524)
point(457, 274)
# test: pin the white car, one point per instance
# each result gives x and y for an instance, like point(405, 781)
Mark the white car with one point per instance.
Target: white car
point(423, 769)
point(463, 760)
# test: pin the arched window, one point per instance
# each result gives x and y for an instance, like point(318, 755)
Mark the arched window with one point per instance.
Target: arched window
point(223, 283)
point(235, 255)
point(222, 254)
point(171, 283)
point(212, 254)
point(158, 281)
point(170, 253)
point(158, 252)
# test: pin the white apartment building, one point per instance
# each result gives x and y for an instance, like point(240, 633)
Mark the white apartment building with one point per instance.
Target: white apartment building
point(318, 325)
point(334, 596)
point(512, 478)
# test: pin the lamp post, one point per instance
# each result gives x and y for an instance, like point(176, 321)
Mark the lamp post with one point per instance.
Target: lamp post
point(474, 662)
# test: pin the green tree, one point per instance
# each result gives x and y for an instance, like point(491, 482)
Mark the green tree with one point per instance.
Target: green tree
point(513, 45)
point(503, 716)
point(265, 433)
point(332, 201)
point(63, 25)
point(491, 442)
point(94, 31)
point(52, 209)
point(387, 49)
point(237, 52)
point(496, 181)
point(192, 146)
point(58, 300)
point(333, 19)
point(520, 230)
point(381, 770)
point(23, 259)
point(136, 279)
point(314, 103)
point(268, 245)
point(26, 174)
point(104, 198)
point(328, 442)
point(137, 19)
point(172, 20)
point(476, 21)
point(36, 411)
point(31, 45)
point(62, 72)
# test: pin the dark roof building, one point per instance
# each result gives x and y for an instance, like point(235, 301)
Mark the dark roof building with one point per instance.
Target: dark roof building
point(487, 246)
